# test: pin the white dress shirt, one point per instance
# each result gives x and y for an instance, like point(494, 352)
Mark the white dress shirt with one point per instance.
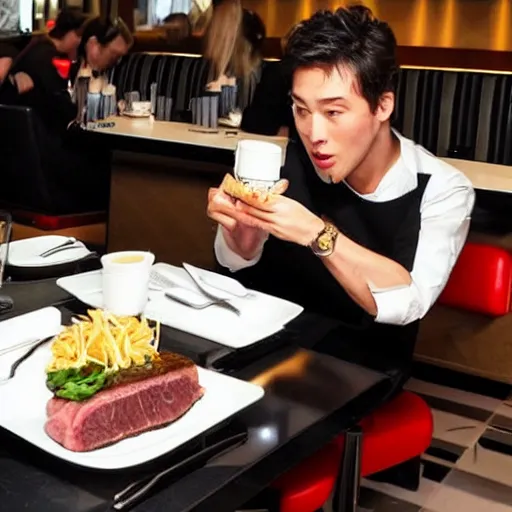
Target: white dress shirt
point(446, 209)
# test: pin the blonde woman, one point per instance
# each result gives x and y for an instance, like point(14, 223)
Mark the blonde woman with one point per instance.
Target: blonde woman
point(233, 44)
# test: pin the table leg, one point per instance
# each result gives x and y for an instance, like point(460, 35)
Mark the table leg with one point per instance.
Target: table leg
point(346, 490)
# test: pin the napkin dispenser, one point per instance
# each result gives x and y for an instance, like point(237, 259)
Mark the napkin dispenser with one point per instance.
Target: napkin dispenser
point(205, 110)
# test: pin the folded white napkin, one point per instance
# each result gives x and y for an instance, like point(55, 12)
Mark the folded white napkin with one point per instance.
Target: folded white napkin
point(261, 315)
point(18, 334)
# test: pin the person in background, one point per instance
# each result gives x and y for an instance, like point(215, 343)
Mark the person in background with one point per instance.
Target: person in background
point(233, 44)
point(177, 27)
point(371, 224)
point(46, 61)
point(11, 85)
point(270, 112)
point(103, 44)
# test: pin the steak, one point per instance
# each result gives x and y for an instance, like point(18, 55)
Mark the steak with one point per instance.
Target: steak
point(127, 408)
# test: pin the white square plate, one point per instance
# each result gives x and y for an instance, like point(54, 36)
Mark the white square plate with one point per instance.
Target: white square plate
point(261, 315)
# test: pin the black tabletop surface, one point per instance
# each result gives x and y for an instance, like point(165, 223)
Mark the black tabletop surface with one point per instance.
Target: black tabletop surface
point(309, 399)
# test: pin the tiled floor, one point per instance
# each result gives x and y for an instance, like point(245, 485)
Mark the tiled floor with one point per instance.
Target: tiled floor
point(468, 467)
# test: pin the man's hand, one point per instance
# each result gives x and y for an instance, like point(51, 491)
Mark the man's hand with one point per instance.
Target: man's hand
point(244, 240)
point(282, 217)
point(23, 82)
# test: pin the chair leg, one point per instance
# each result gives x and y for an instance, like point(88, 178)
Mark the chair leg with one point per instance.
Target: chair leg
point(346, 491)
point(406, 475)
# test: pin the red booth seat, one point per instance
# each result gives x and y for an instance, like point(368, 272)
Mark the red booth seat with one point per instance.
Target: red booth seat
point(481, 281)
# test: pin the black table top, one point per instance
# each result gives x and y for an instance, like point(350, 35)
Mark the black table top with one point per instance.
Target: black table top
point(309, 399)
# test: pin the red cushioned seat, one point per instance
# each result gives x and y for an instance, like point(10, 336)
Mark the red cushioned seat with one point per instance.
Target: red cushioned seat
point(307, 487)
point(481, 281)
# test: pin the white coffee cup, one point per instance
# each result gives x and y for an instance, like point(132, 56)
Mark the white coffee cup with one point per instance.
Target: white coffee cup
point(258, 161)
point(126, 281)
point(141, 107)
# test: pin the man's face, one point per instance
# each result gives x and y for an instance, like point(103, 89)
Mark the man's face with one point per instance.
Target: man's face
point(334, 121)
point(103, 57)
point(5, 66)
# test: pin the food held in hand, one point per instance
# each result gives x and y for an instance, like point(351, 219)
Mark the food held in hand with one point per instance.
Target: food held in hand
point(252, 193)
point(110, 382)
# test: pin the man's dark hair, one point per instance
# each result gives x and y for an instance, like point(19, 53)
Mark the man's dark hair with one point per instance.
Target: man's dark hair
point(67, 20)
point(352, 38)
point(105, 31)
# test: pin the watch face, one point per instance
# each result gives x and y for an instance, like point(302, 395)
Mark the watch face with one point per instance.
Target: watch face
point(324, 242)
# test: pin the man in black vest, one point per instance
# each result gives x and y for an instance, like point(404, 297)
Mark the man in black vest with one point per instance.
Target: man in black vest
point(371, 224)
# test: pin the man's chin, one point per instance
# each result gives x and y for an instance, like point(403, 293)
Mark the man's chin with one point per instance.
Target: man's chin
point(324, 175)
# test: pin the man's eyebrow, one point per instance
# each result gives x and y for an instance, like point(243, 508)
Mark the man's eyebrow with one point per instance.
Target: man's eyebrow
point(298, 99)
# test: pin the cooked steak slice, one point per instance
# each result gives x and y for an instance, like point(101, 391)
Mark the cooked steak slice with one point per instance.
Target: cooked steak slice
point(126, 409)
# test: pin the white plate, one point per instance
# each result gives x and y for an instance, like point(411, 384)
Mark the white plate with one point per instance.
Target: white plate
point(224, 397)
point(25, 253)
point(261, 315)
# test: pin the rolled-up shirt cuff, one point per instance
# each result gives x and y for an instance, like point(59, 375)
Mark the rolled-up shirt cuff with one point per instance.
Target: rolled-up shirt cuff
point(395, 306)
point(230, 259)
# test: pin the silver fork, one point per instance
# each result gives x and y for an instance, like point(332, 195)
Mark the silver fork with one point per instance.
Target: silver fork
point(61, 247)
point(167, 285)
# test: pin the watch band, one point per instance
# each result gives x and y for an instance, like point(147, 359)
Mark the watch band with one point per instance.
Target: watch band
point(324, 243)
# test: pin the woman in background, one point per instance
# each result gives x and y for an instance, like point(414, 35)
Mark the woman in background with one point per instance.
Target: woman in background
point(233, 44)
point(177, 27)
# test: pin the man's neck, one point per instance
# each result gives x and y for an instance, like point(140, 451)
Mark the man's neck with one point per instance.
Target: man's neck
point(384, 153)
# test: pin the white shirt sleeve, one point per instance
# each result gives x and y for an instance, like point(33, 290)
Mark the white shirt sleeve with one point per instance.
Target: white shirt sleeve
point(445, 217)
point(230, 259)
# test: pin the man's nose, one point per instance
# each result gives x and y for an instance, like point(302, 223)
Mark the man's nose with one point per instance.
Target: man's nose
point(318, 133)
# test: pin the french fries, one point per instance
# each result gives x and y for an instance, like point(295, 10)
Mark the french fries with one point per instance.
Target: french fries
point(112, 342)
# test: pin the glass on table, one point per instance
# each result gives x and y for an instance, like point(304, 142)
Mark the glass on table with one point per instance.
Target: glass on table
point(5, 238)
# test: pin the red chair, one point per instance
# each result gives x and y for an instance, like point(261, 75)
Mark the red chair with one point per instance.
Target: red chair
point(401, 430)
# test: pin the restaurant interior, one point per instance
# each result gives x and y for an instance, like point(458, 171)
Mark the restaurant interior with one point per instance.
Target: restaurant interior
point(295, 430)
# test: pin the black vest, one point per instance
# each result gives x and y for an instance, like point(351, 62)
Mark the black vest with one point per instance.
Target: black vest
point(293, 272)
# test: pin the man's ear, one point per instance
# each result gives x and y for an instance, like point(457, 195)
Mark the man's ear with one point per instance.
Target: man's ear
point(385, 107)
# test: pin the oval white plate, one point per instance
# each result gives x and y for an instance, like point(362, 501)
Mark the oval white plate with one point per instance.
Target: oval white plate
point(25, 253)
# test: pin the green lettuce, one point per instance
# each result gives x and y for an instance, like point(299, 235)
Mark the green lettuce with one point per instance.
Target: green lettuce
point(76, 384)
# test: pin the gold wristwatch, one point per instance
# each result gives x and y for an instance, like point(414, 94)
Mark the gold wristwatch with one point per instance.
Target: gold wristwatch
point(324, 243)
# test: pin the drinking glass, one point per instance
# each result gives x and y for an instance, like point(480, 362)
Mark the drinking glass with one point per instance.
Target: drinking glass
point(5, 238)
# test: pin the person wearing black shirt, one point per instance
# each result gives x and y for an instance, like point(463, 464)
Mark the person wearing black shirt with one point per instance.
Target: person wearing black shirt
point(11, 85)
point(371, 224)
point(47, 61)
point(270, 111)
